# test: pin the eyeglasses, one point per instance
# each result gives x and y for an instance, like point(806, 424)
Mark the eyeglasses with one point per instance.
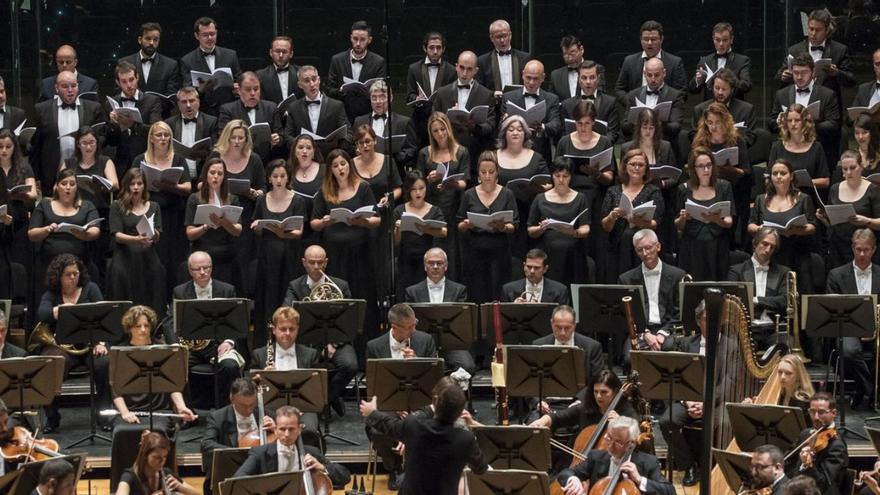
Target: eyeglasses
point(435, 264)
point(703, 167)
point(819, 412)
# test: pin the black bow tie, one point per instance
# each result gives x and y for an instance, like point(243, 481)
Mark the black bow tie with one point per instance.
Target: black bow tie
point(357, 61)
point(125, 98)
point(530, 95)
point(501, 53)
point(803, 90)
point(432, 64)
point(463, 86)
point(380, 116)
point(721, 55)
point(588, 97)
point(248, 109)
point(68, 106)
point(282, 69)
point(817, 48)
point(3, 109)
point(193, 120)
point(312, 102)
point(652, 92)
point(207, 54)
point(877, 85)
point(574, 69)
point(146, 61)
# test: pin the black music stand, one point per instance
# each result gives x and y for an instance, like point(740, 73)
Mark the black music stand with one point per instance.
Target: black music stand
point(839, 316)
point(224, 463)
point(600, 311)
point(757, 424)
point(305, 389)
point(148, 369)
point(670, 376)
point(30, 382)
point(452, 325)
point(521, 323)
point(514, 447)
point(543, 370)
point(264, 484)
point(513, 481)
point(403, 384)
point(88, 324)
point(30, 473)
point(330, 322)
point(8, 481)
point(736, 467)
point(692, 294)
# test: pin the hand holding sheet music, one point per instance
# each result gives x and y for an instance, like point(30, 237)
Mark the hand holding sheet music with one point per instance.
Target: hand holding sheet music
point(491, 223)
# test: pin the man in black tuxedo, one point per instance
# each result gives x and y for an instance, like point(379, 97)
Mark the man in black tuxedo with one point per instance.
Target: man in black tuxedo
point(10, 117)
point(743, 112)
point(156, 72)
point(65, 60)
point(818, 45)
point(654, 92)
point(723, 58)
point(57, 477)
point(208, 57)
point(59, 117)
point(827, 466)
point(252, 109)
point(283, 455)
point(562, 322)
point(467, 93)
point(278, 80)
point(429, 74)
point(342, 356)
point(226, 425)
point(535, 287)
point(315, 113)
point(358, 64)
point(590, 88)
point(191, 125)
point(436, 288)
point(379, 119)
point(564, 80)
point(868, 93)
point(221, 355)
point(547, 131)
point(502, 66)
point(124, 132)
point(8, 350)
point(805, 90)
point(860, 277)
point(632, 75)
point(767, 469)
point(660, 281)
point(642, 469)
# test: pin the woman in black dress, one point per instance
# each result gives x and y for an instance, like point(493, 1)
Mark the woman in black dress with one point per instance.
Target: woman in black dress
point(135, 273)
point(216, 236)
point(446, 194)
point(173, 245)
point(307, 175)
point(867, 137)
point(68, 283)
point(348, 244)
point(704, 247)
point(279, 251)
point(411, 246)
point(144, 477)
point(247, 181)
point(780, 204)
point(865, 199)
point(519, 163)
point(15, 171)
point(635, 177)
point(486, 253)
point(798, 145)
point(563, 244)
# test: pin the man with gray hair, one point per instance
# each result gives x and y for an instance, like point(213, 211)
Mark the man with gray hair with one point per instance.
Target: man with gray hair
point(387, 125)
point(639, 467)
point(315, 112)
point(8, 350)
point(503, 65)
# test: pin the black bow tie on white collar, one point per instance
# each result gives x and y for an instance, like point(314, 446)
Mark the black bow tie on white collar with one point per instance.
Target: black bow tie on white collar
point(652, 92)
point(588, 97)
point(68, 106)
point(146, 61)
point(432, 64)
point(193, 120)
point(503, 52)
point(817, 48)
point(125, 98)
point(312, 102)
point(803, 90)
point(531, 95)
point(279, 70)
point(207, 54)
point(574, 69)
point(378, 116)
point(464, 86)
point(357, 61)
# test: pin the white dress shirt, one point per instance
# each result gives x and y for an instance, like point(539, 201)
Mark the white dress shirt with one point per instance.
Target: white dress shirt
point(529, 101)
point(875, 96)
point(652, 287)
point(537, 290)
point(652, 100)
point(463, 93)
point(761, 272)
point(569, 342)
point(505, 69)
point(210, 59)
point(863, 280)
point(314, 112)
point(432, 76)
point(146, 65)
point(205, 292)
point(288, 458)
point(2, 121)
point(283, 81)
point(397, 347)
point(379, 124)
point(804, 98)
point(816, 54)
point(285, 360)
point(252, 115)
point(188, 137)
point(721, 61)
point(572, 81)
point(68, 122)
point(244, 424)
point(356, 68)
point(435, 291)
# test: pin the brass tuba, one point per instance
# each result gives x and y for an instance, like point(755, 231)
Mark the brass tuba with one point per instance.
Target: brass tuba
point(43, 336)
point(326, 290)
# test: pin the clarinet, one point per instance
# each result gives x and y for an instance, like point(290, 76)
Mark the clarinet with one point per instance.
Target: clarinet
point(164, 486)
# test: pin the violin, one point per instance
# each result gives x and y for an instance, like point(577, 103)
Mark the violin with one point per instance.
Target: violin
point(255, 438)
point(21, 446)
point(614, 484)
point(818, 441)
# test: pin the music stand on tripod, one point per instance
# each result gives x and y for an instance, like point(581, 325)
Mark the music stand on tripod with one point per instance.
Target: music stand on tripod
point(761, 424)
point(305, 389)
point(670, 376)
point(452, 325)
point(736, 467)
point(522, 324)
point(543, 370)
point(514, 447)
point(290, 483)
point(839, 316)
point(30, 473)
point(88, 324)
point(504, 481)
point(30, 382)
point(601, 306)
point(153, 369)
point(329, 322)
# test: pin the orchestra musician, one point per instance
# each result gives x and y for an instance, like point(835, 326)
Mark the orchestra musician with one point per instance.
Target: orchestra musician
point(801, 485)
point(8, 349)
point(825, 457)
point(57, 477)
point(767, 470)
point(149, 474)
point(591, 405)
point(535, 287)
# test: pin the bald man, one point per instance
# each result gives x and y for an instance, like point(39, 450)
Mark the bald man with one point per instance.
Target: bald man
point(466, 92)
point(530, 95)
point(502, 66)
point(65, 60)
point(60, 117)
point(653, 93)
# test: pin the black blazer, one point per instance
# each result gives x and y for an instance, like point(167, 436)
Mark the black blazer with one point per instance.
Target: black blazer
point(265, 112)
point(133, 143)
point(554, 292)
point(331, 117)
point(298, 289)
point(270, 88)
point(598, 464)
point(221, 431)
point(740, 110)
point(559, 82)
point(631, 72)
point(593, 360)
point(842, 280)
point(219, 290)
point(829, 113)
point(223, 57)
point(837, 52)
point(668, 303)
point(777, 284)
point(829, 465)
point(47, 85)
point(164, 73)
point(357, 103)
point(667, 93)
point(418, 73)
point(863, 97)
point(11, 351)
point(452, 292)
point(400, 124)
point(45, 153)
point(736, 62)
point(306, 357)
point(13, 117)
point(264, 459)
point(206, 127)
point(688, 343)
point(420, 342)
point(606, 110)
point(490, 76)
point(541, 142)
point(447, 97)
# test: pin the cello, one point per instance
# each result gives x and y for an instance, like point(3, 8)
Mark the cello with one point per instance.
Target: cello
point(591, 437)
point(614, 483)
point(255, 438)
point(315, 482)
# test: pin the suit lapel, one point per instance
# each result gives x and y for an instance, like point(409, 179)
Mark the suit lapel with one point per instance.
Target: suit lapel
point(875, 279)
point(496, 71)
